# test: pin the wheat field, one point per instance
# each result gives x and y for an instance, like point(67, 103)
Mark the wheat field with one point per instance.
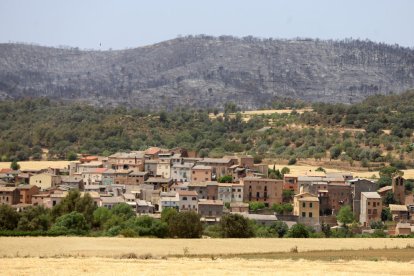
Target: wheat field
point(113, 247)
point(184, 266)
point(106, 256)
point(37, 165)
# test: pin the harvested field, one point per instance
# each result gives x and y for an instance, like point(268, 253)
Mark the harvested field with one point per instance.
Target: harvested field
point(307, 169)
point(99, 266)
point(122, 256)
point(110, 247)
point(37, 165)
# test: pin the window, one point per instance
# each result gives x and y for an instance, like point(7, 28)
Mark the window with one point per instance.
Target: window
point(303, 214)
point(310, 205)
point(193, 198)
point(303, 204)
point(310, 214)
point(184, 198)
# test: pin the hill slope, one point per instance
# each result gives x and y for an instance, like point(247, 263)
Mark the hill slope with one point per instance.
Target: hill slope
point(205, 71)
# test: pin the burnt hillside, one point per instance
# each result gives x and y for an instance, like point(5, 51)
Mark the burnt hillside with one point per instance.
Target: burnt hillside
point(203, 71)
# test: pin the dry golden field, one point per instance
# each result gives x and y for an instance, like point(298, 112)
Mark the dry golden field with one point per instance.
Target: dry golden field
point(246, 115)
point(307, 169)
point(184, 266)
point(113, 247)
point(112, 256)
point(37, 165)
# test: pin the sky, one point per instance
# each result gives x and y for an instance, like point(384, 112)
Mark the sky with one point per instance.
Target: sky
point(120, 24)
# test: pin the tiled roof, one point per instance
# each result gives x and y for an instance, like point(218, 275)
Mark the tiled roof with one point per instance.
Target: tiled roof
point(371, 194)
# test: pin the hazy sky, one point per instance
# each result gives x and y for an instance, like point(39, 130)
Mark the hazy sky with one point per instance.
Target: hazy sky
point(120, 24)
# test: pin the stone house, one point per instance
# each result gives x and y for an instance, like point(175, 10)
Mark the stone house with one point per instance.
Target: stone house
point(45, 180)
point(306, 208)
point(371, 208)
point(399, 213)
point(266, 190)
point(9, 195)
point(210, 208)
point(359, 186)
point(201, 173)
point(188, 201)
point(182, 172)
point(26, 192)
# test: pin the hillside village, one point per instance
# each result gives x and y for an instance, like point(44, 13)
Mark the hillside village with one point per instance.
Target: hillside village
point(155, 179)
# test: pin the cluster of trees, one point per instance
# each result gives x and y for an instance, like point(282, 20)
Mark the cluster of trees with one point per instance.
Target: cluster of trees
point(28, 126)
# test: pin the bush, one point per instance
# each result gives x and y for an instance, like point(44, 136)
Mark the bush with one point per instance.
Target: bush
point(292, 161)
point(256, 205)
point(236, 226)
point(9, 218)
point(71, 223)
point(280, 228)
point(225, 179)
point(186, 225)
point(128, 233)
point(298, 231)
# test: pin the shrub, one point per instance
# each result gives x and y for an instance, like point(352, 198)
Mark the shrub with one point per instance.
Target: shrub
point(236, 226)
point(186, 225)
point(72, 223)
point(298, 231)
point(292, 161)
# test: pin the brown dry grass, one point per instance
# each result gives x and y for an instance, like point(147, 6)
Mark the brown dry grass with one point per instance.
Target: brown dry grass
point(99, 266)
point(249, 113)
point(111, 247)
point(37, 165)
point(102, 256)
point(308, 169)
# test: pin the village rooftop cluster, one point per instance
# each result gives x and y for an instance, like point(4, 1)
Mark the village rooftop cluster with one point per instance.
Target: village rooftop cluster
point(152, 180)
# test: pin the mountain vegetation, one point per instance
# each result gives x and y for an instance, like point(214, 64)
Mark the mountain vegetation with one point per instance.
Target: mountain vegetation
point(377, 130)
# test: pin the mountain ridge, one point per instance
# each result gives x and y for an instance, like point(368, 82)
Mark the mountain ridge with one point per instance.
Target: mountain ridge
point(206, 72)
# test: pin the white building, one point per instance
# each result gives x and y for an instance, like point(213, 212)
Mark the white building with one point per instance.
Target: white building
point(169, 200)
point(181, 172)
point(188, 201)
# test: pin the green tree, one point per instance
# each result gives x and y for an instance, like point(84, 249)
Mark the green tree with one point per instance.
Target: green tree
point(72, 156)
point(168, 214)
point(384, 181)
point(225, 179)
point(335, 152)
point(236, 226)
point(123, 210)
point(389, 171)
point(35, 218)
point(389, 199)
point(292, 161)
point(256, 205)
point(100, 216)
point(287, 195)
point(73, 222)
point(9, 218)
point(320, 169)
point(386, 214)
point(280, 228)
point(298, 231)
point(14, 165)
point(186, 225)
point(285, 170)
point(345, 215)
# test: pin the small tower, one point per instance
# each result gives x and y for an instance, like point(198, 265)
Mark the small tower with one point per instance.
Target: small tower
point(398, 189)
